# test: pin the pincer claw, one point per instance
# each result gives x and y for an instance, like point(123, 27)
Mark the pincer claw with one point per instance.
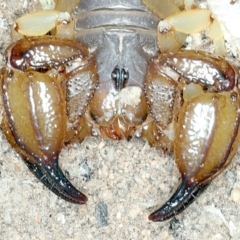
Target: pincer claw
point(35, 115)
point(207, 129)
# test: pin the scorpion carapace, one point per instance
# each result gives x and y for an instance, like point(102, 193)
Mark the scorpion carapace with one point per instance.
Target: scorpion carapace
point(113, 80)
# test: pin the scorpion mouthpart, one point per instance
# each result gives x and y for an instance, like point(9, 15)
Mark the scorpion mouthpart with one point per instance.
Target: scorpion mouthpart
point(53, 178)
point(184, 196)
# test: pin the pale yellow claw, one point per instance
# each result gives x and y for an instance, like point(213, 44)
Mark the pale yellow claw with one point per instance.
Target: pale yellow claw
point(168, 40)
point(191, 21)
point(40, 23)
point(173, 30)
point(54, 17)
point(176, 24)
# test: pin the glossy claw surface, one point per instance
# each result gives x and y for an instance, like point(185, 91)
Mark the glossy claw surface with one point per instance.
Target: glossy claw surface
point(181, 199)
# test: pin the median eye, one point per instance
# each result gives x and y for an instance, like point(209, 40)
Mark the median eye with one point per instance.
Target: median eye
point(120, 76)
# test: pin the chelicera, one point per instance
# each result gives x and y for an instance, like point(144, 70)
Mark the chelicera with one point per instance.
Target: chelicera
point(122, 76)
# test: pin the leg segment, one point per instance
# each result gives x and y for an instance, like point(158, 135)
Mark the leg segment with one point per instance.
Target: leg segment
point(176, 24)
point(54, 17)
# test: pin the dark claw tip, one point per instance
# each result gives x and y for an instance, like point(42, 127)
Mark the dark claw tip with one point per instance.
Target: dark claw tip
point(154, 217)
point(181, 199)
point(53, 178)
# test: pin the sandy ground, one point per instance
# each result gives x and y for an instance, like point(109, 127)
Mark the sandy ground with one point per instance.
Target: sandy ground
point(127, 179)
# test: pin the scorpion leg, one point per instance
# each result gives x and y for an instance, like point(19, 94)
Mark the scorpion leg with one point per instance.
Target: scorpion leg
point(35, 117)
point(176, 24)
point(55, 18)
point(207, 127)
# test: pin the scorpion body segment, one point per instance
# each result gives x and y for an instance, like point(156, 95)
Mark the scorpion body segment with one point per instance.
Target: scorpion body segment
point(120, 79)
point(122, 37)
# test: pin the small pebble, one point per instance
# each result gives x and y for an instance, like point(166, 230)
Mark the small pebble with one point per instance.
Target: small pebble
point(105, 171)
point(138, 180)
point(111, 154)
point(107, 195)
point(85, 170)
point(111, 176)
point(61, 218)
point(134, 212)
point(235, 195)
point(119, 215)
point(154, 164)
point(101, 213)
point(101, 145)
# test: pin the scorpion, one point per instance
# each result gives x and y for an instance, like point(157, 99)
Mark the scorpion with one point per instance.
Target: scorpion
point(119, 71)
